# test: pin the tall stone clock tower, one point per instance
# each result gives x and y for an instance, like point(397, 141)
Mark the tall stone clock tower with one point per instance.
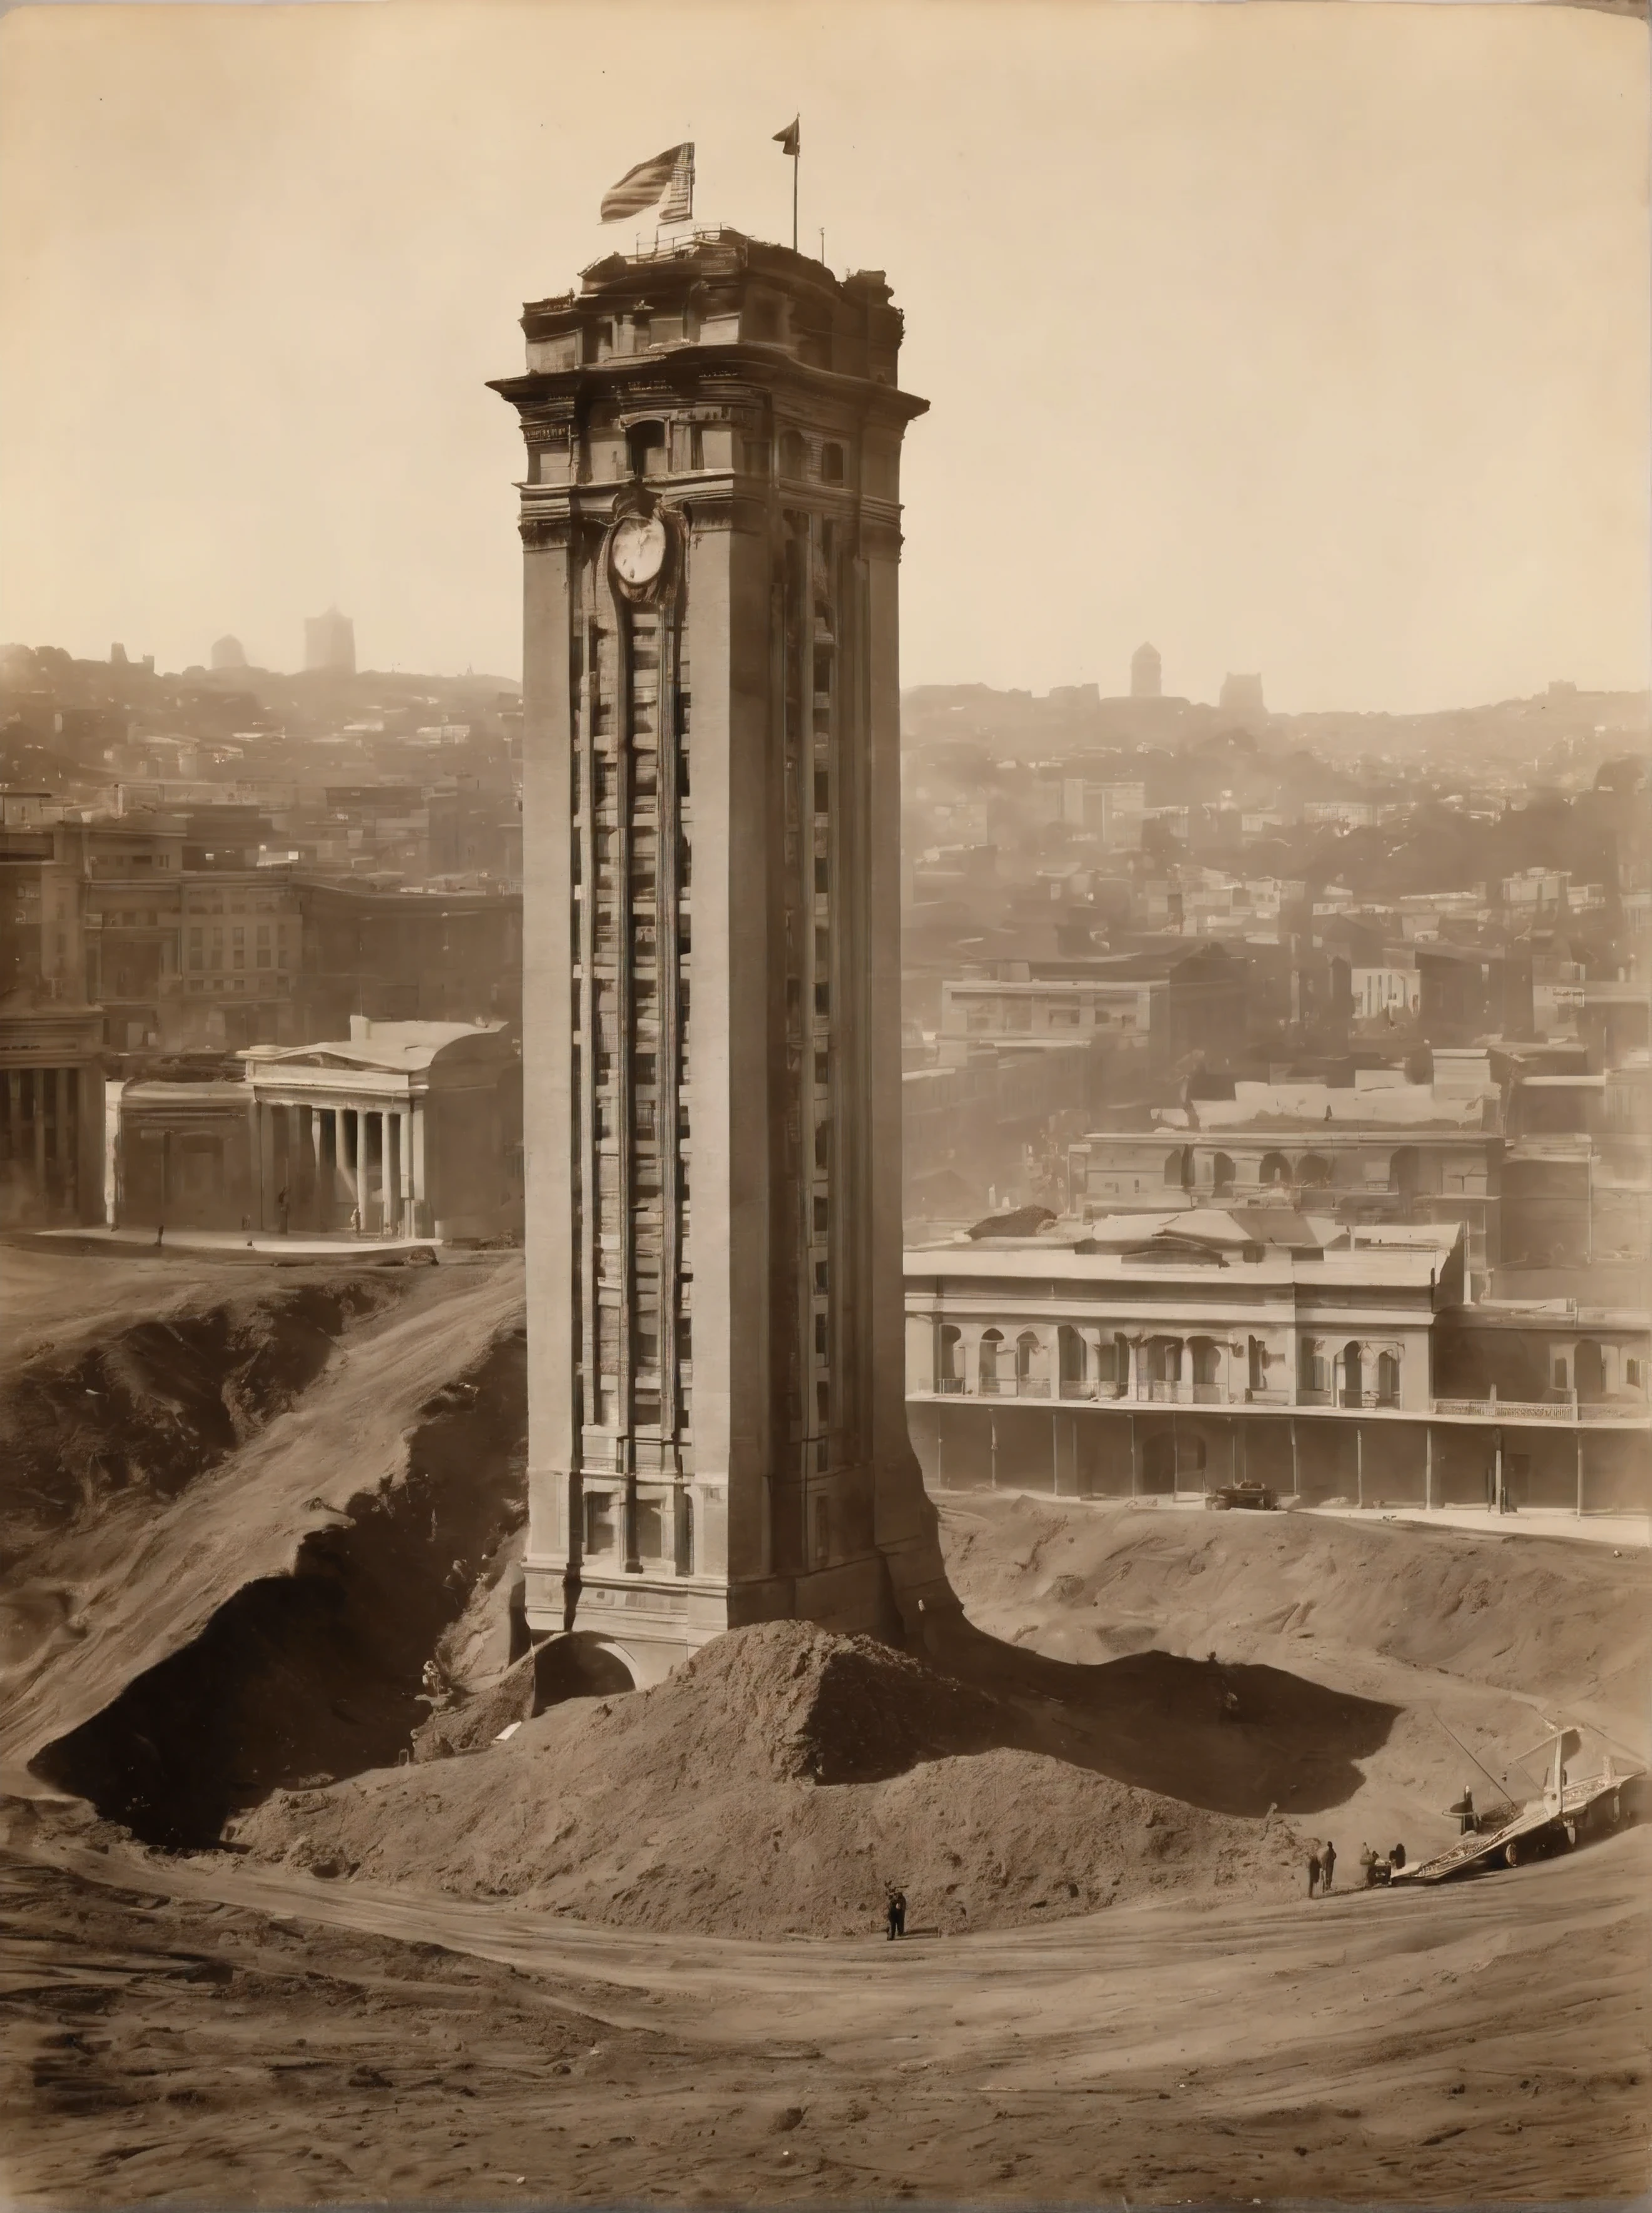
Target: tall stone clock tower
point(711, 1022)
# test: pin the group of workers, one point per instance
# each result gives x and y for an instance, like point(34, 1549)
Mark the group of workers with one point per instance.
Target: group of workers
point(1322, 1866)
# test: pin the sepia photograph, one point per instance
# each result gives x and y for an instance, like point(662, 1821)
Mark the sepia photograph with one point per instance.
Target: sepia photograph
point(826, 1104)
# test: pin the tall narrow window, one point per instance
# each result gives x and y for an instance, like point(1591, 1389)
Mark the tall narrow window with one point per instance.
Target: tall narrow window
point(645, 448)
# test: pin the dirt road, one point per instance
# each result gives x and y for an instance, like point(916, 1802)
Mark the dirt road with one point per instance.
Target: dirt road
point(203, 2026)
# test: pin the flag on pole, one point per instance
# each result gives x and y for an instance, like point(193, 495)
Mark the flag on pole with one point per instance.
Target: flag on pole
point(791, 138)
point(670, 174)
point(677, 205)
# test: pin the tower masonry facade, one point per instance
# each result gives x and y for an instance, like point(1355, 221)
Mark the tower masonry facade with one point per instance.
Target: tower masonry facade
point(709, 514)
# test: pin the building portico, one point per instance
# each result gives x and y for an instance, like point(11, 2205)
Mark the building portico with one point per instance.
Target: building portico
point(390, 1132)
point(342, 1161)
point(402, 1129)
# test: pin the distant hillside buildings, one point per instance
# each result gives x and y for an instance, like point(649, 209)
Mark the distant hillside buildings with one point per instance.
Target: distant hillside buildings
point(1241, 698)
point(330, 643)
point(1146, 674)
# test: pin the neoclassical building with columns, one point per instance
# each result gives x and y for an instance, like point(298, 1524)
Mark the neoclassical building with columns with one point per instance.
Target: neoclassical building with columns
point(409, 1130)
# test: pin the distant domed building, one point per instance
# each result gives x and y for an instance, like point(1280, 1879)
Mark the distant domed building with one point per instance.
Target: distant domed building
point(229, 653)
point(1146, 674)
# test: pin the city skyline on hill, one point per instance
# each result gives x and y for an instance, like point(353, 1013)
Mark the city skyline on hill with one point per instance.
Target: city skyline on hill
point(1310, 341)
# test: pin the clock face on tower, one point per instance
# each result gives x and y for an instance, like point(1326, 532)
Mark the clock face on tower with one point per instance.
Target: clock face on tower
point(638, 549)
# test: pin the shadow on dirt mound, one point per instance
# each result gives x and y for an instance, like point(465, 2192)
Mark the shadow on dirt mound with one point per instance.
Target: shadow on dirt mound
point(317, 1674)
point(1233, 1740)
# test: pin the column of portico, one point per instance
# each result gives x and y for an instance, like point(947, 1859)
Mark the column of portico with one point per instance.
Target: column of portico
point(296, 1165)
point(69, 1141)
point(298, 1191)
point(382, 1181)
point(404, 1169)
point(320, 1208)
point(56, 1092)
point(353, 1173)
point(281, 1161)
point(364, 1120)
point(421, 1187)
point(37, 1102)
point(386, 1187)
point(266, 1186)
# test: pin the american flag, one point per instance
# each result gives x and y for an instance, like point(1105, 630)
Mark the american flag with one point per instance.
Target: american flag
point(671, 173)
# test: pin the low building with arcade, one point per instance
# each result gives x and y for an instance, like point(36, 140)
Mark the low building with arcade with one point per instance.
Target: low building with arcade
point(1166, 1354)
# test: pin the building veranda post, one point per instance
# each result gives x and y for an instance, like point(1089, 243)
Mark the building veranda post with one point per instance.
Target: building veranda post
point(710, 519)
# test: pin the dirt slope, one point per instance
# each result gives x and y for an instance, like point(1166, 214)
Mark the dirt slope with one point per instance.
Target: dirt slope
point(61, 1302)
point(120, 1590)
point(139, 1415)
point(776, 1783)
point(1482, 1635)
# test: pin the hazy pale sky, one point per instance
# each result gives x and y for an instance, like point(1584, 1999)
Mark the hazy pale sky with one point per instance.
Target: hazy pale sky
point(1301, 338)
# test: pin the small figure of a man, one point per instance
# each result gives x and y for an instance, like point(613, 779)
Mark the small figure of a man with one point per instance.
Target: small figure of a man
point(897, 1915)
point(281, 1212)
point(1327, 1866)
point(160, 1232)
point(1313, 1869)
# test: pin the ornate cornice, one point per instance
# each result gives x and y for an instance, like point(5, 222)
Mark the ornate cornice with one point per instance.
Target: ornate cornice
point(736, 369)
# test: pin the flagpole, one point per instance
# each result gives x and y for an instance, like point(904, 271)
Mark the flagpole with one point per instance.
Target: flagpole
point(796, 159)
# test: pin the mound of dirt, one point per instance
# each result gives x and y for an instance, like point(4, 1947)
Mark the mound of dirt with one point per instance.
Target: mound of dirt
point(775, 1784)
point(1470, 1642)
point(1087, 1580)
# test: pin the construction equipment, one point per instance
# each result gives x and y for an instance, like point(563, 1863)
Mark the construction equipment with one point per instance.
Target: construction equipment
point(1250, 1493)
point(1563, 1816)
